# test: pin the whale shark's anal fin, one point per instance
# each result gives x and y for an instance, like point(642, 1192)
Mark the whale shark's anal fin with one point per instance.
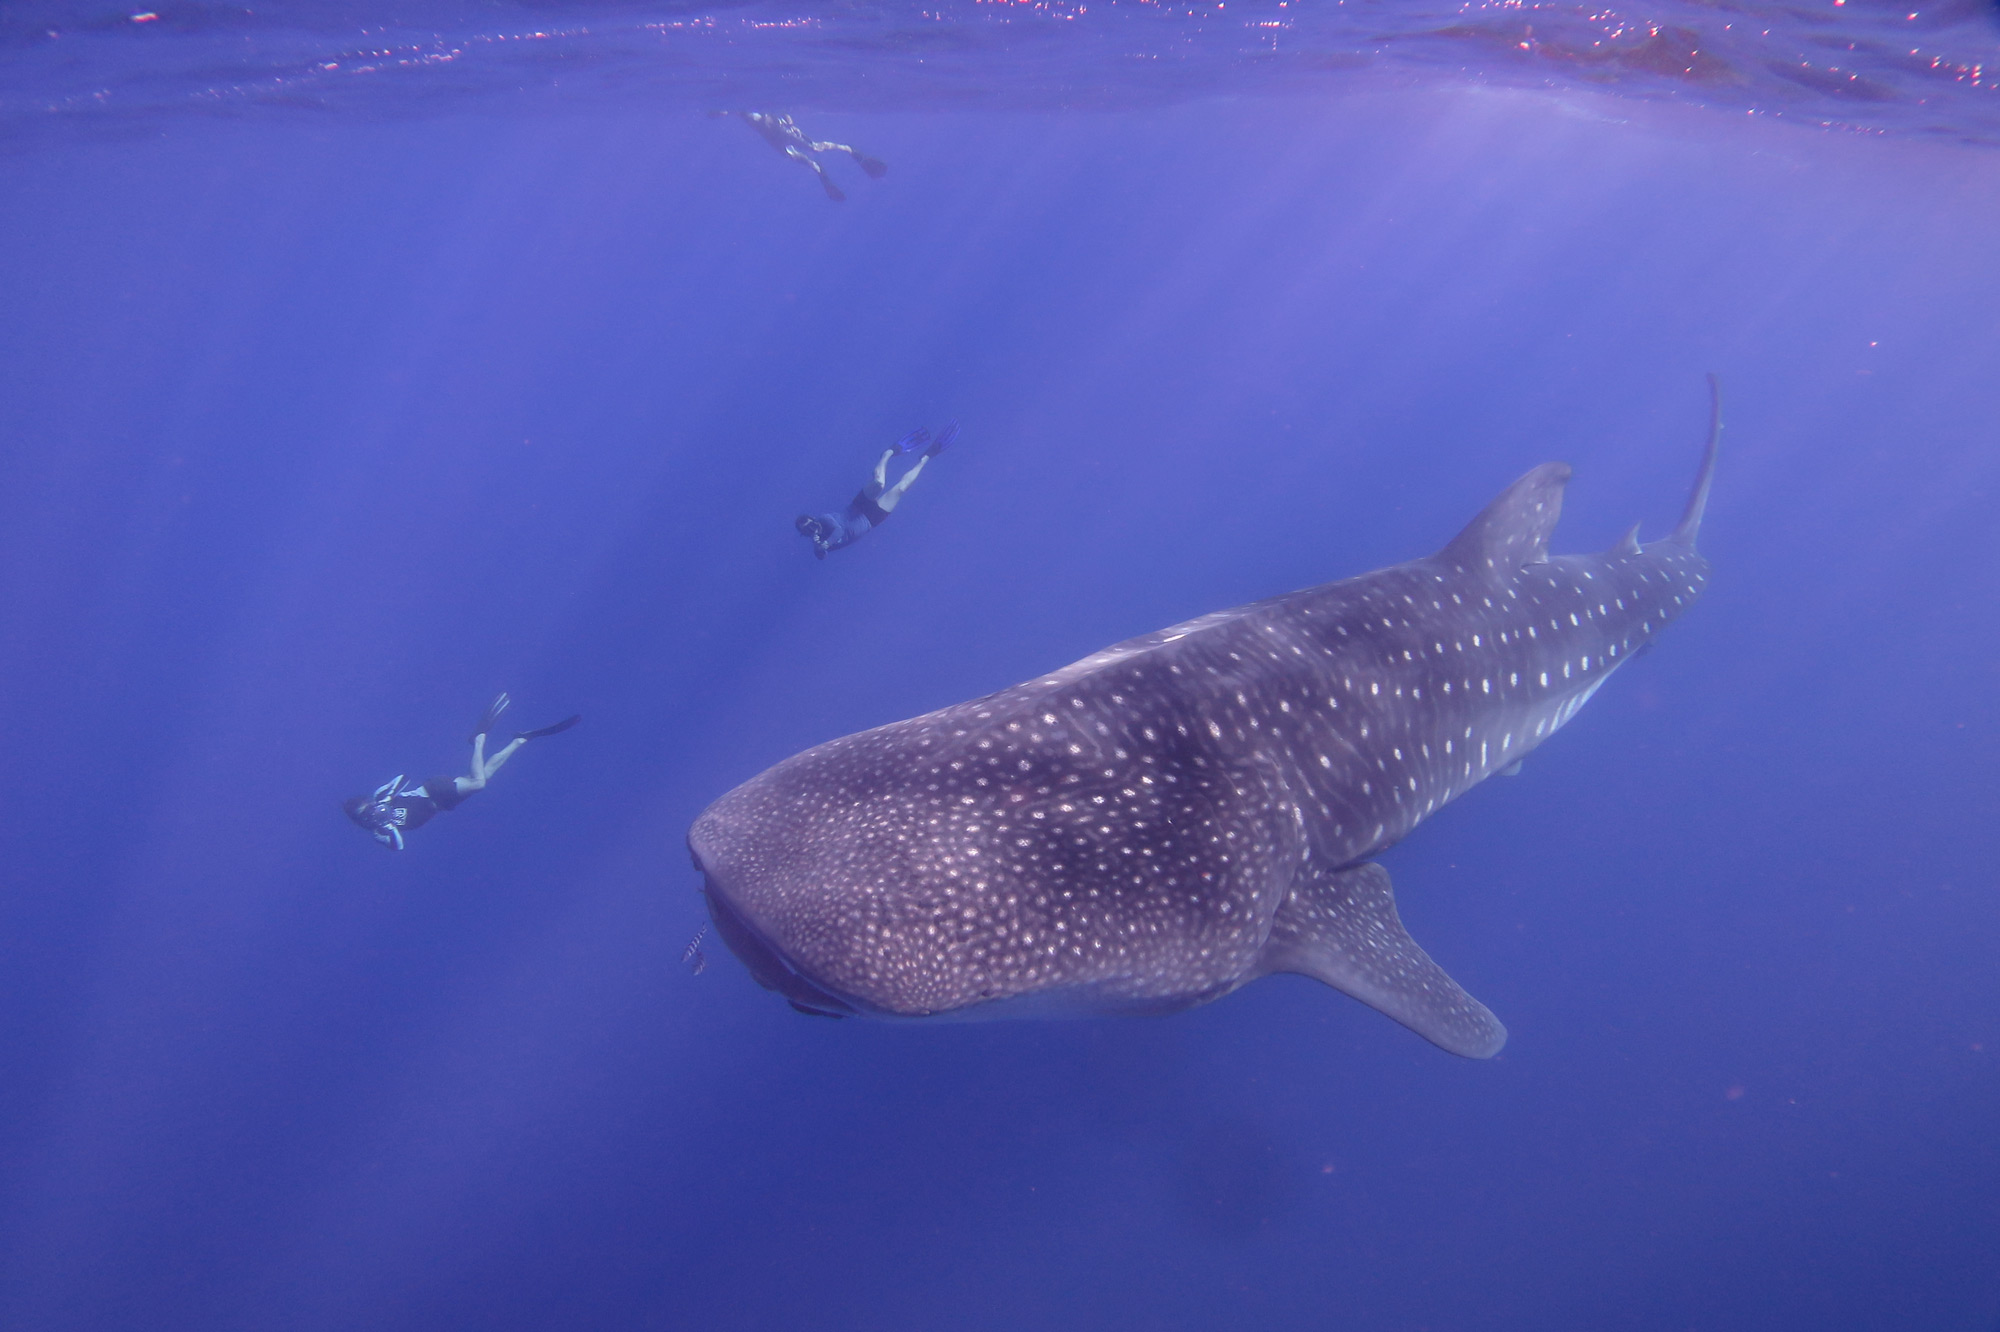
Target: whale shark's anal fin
point(1341, 927)
point(1514, 529)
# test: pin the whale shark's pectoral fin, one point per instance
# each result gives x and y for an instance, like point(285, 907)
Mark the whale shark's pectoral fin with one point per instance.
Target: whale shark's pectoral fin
point(1341, 927)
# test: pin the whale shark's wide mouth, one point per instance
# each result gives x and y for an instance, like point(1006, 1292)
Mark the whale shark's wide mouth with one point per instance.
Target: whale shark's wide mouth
point(767, 965)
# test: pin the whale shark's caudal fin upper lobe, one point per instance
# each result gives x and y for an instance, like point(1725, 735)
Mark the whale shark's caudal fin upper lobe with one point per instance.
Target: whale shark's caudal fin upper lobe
point(1513, 531)
point(1341, 927)
point(1690, 524)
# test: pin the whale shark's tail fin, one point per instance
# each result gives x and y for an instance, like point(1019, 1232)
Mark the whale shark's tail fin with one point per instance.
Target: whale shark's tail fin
point(1341, 928)
point(1698, 501)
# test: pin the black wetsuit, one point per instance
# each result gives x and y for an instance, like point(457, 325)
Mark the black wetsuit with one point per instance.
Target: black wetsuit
point(411, 807)
point(439, 794)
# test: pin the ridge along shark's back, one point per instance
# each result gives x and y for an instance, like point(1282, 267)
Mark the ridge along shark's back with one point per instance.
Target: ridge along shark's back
point(1179, 814)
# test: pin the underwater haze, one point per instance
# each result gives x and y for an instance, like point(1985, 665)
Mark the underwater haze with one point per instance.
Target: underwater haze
point(335, 403)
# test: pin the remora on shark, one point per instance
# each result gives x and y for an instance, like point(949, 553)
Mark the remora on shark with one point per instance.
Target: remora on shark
point(1180, 814)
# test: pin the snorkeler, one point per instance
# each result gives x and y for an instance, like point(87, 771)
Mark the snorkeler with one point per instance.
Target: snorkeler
point(871, 508)
point(782, 133)
point(395, 808)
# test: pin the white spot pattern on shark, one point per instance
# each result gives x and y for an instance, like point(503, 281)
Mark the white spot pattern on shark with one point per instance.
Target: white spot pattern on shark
point(1179, 814)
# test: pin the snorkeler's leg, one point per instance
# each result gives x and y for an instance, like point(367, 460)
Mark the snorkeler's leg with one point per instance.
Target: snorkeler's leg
point(894, 494)
point(492, 765)
point(833, 191)
point(465, 786)
point(874, 166)
point(484, 767)
point(882, 468)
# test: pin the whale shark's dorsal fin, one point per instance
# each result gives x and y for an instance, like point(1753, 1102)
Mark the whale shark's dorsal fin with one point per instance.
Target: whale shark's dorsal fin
point(1690, 523)
point(1513, 530)
point(1341, 927)
point(1627, 544)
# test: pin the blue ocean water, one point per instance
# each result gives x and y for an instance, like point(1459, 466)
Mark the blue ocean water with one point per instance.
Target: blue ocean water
point(328, 411)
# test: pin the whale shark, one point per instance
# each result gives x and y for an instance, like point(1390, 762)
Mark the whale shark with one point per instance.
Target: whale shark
point(1182, 813)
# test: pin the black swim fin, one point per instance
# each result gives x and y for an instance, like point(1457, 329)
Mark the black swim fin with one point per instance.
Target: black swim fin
point(556, 729)
point(487, 722)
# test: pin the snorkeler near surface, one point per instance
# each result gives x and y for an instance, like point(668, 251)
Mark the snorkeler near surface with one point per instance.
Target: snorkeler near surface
point(783, 133)
point(871, 507)
point(395, 808)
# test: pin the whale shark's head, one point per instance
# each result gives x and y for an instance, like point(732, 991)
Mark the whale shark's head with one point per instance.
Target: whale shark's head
point(984, 862)
point(749, 908)
point(767, 961)
point(823, 878)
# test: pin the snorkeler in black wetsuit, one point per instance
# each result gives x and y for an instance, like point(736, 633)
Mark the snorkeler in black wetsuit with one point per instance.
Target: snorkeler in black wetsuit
point(782, 133)
point(871, 508)
point(395, 809)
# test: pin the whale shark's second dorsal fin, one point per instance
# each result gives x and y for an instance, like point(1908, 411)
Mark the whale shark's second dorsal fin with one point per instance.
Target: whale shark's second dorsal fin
point(1341, 927)
point(1514, 529)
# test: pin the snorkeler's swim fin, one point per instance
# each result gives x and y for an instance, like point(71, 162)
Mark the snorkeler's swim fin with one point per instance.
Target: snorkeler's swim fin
point(874, 166)
point(493, 711)
point(943, 441)
point(913, 441)
point(556, 729)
